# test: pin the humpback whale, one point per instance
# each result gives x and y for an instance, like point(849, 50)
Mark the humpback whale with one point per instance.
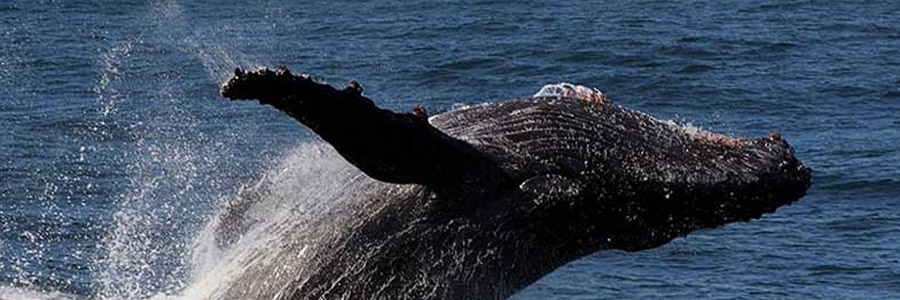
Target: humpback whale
point(481, 201)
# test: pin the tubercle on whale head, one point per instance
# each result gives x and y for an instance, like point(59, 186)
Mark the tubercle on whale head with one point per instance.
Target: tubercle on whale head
point(649, 213)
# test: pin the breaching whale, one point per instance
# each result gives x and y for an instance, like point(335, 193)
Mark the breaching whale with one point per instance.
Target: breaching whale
point(481, 201)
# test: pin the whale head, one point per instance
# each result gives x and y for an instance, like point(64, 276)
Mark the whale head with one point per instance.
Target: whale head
point(596, 176)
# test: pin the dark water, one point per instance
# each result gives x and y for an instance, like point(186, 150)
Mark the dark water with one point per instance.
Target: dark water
point(116, 149)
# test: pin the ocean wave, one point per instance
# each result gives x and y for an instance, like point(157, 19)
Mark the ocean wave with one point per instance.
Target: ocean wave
point(886, 185)
point(695, 68)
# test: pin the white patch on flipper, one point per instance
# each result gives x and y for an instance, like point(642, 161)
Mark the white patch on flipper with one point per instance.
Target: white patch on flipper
point(569, 90)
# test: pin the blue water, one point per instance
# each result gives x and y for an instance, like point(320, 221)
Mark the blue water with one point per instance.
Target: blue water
point(116, 149)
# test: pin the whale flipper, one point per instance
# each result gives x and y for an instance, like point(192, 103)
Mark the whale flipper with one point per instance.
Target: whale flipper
point(388, 146)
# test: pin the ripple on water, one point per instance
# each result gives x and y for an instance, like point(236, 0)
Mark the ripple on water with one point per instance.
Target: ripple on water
point(685, 51)
point(695, 68)
point(891, 95)
point(6, 8)
point(470, 64)
point(888, 185)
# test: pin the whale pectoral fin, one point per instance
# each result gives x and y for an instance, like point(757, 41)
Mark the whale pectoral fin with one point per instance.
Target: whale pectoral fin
point(551, 188)
point(387, 146)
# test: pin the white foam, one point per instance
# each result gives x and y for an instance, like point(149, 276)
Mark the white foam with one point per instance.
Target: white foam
point(569, 90)
point(295, 194)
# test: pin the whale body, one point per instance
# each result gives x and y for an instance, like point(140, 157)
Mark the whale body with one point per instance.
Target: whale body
point(481, 201)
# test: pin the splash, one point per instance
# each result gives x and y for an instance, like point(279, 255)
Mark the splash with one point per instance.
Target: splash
point(175, 173)
point(569, 90)
point(218, 61)
point(278, 215)
point(107, 95)
point(205, 44)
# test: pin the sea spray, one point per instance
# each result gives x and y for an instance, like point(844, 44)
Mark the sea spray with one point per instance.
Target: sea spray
point(175, 170)
point(284, 218)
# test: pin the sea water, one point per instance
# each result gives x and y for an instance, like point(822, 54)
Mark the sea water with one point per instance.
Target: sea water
point(116, 153)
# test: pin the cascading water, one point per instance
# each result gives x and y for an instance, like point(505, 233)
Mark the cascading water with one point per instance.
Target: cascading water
point(176, 170)
point(279, 215)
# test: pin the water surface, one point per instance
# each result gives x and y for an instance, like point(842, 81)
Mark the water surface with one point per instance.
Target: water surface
point(116, 149)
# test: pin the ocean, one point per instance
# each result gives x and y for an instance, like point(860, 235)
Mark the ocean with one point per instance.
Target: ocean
point(117, 151)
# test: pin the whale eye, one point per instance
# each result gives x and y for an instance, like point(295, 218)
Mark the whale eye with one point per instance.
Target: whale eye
point(547, 188)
